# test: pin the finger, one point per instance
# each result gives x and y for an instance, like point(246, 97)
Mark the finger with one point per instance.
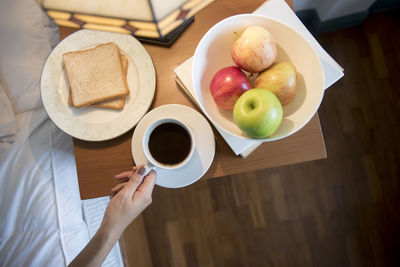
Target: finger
point(124, 175)
point(148, 183)
point(123, 180)
point(134, 182)
point(127, 174)
point(113, 193)
point(118, 187)
point(135, 168)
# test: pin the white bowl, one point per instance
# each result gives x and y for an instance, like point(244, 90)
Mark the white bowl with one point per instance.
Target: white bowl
point(214, 52)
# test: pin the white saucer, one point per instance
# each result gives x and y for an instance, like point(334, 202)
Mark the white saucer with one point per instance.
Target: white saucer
point(204, 141)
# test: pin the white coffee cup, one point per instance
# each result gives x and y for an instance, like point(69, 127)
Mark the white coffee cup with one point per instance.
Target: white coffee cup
point(152, 163)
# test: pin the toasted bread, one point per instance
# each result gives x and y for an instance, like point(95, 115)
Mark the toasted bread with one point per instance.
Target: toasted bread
point(117, 103)
point(95, 75)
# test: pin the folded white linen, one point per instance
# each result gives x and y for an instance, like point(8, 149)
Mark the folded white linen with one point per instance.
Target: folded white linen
point(41, 220)
point(8, 124)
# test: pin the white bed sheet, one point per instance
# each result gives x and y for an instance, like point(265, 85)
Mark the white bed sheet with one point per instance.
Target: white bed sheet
point(41, 221)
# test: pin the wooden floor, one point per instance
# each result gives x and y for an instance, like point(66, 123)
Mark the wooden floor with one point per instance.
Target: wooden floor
point(341, 211)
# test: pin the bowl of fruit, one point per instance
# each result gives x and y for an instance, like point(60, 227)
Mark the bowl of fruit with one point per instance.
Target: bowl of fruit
point(257, 78)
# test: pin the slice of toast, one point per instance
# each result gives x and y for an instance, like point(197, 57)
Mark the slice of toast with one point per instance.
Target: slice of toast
point(117, 103)
point(95, 75)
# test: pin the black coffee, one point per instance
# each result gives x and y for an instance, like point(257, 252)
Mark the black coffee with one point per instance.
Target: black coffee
point(169, 143)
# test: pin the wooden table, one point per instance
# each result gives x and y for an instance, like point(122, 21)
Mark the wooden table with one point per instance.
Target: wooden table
point(98, 162)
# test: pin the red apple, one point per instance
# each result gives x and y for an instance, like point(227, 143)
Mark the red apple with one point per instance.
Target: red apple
point(227, 85)
point(255, 49)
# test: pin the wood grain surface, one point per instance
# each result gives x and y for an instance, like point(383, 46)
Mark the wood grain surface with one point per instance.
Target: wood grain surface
point(340, 211)
point(98, 162)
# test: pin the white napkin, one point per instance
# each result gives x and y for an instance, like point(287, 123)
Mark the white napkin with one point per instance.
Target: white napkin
point(8, 124)
point(279, 10)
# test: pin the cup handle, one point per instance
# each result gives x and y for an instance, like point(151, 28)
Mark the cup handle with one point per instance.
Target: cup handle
point(148, 166)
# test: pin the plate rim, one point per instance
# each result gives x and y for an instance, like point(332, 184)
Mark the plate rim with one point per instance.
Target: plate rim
point(92, 133)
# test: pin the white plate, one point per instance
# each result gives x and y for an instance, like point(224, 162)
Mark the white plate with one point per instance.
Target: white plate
point(214, 52)
point(204, 141)
point(93, 123)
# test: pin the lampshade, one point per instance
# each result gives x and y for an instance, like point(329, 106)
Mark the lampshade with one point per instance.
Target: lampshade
point(150, 19)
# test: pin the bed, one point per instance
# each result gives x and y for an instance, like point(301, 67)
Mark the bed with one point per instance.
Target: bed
point(43, 221)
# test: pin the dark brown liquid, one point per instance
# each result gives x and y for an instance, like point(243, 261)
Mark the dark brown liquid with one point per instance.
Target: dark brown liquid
point(169, 143)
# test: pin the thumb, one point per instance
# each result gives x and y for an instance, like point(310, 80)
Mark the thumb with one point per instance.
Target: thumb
point(134, 182)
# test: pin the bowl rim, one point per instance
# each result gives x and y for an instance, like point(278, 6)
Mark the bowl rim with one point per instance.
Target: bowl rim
point(266, 139)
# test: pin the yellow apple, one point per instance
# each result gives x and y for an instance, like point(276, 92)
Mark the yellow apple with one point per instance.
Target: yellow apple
point(280, 79)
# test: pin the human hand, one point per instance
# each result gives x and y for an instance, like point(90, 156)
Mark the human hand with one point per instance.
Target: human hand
point(129, 199)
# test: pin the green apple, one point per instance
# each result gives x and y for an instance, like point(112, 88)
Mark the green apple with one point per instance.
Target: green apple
point(280, 79)
point(258, 113)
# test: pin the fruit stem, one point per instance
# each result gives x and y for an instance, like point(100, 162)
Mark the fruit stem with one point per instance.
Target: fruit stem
point(252, 105)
